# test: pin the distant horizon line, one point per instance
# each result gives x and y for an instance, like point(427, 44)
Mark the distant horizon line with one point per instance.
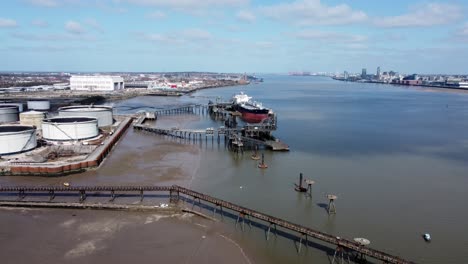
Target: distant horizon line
point(251, 73)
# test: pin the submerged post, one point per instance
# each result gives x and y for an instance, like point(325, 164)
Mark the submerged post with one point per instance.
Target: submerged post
point(331, 203)
point(262, 164)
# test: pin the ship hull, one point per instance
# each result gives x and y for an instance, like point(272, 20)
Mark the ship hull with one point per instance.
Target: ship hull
point(253, 115)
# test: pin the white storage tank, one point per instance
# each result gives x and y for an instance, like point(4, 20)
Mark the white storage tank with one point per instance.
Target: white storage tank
point(69, 128)
point(102, 113)
point(32, 118)
point(40, 105)
point(16, 139)
point(20, 105)
point(9, 113)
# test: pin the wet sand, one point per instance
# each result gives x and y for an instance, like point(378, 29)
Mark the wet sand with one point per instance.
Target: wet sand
point(138, 159)
point(96, 236)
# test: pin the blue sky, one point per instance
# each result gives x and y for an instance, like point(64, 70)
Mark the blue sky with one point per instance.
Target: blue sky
point(234, 35)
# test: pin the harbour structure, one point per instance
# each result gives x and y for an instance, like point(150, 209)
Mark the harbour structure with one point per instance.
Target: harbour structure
point(102, 113)
point(96, 83)
point(9, 113)
point(301, 234)
point(16, 139)
point(69, 128)
point(32, 118)
point(39, 105)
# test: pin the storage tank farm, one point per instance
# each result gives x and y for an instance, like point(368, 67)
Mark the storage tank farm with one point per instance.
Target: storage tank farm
point(9, 113)
point(16, 139)
point(69, 128)
point(102, 113)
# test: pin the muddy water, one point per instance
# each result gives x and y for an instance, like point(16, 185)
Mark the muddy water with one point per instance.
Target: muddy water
point(395, 156)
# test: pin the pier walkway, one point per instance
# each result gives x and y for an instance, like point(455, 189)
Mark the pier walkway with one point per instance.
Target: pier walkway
point(175, 193)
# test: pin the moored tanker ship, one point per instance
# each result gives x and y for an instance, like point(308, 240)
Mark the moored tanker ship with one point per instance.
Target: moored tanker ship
point(252, 112)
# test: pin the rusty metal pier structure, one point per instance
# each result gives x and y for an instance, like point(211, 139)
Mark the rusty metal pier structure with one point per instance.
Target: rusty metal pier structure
point(177, 193)
point(235, 136)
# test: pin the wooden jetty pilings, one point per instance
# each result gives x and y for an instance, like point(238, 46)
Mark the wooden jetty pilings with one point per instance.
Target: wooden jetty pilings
point(176, 191)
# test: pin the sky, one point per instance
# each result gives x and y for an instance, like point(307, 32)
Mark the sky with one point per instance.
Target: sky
point(234, 35)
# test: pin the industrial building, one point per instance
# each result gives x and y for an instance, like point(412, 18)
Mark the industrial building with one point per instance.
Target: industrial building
point(96, 83)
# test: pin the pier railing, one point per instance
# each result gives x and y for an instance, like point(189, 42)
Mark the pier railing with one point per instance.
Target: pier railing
point(175, 192)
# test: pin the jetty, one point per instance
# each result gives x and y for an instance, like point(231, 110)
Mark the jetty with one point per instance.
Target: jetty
point(254, 134)
point(177, 194)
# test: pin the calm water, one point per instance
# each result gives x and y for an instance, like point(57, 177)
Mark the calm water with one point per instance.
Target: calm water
point(395, 156)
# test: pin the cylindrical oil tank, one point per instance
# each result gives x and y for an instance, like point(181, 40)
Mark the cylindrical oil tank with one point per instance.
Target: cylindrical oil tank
point(20, 105)
point(9, 113)
point(16, 139)
point(40, 105)
point(102, 113)
point(32, 118)
point(69, 128)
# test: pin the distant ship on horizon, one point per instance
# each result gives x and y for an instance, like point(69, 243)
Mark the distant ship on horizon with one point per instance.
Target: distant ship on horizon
point(300, 74)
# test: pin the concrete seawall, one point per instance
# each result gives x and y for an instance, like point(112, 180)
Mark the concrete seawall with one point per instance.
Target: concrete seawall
point(64, 168)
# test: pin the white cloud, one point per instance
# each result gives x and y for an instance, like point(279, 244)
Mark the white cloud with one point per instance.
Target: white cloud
point(430, 14)
point(464, 30)
point(74, 27)
point(188, 3)
point(264, 44)
point(156, 15)
point(45, 3)
point(196, 34)
point(313, 12)
point(330, 36)
point(187, 36)
point(191, 7)
point(7, 23)
point(94, 25)
point(40, 23)
point(245, 16)
point(51, 37)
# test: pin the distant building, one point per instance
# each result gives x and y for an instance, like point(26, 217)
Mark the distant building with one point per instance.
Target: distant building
point(378, 72)
point(346, 75)
point(96, 83)
point(364, 73)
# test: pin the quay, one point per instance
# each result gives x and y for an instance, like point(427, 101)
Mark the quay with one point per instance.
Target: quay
point(177, 193)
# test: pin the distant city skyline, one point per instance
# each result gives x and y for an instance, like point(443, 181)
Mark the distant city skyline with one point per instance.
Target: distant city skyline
point(234, 36)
